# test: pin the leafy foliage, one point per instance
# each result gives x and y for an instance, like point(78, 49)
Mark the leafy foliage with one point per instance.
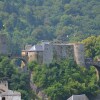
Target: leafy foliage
point(61, 80)
point(92, 46)
point(17, 79)
point(28, 21)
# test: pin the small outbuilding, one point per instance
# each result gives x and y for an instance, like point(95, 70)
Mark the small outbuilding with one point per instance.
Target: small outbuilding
point(78, 97)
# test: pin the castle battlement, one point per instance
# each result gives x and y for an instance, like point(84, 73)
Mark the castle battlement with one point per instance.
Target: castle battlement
point(46, 52)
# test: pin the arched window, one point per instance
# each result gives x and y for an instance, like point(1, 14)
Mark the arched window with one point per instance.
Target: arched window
point(3, 98)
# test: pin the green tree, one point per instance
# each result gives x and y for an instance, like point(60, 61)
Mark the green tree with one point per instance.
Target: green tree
point(17, 79)
point(61, 80)
point(92, 46)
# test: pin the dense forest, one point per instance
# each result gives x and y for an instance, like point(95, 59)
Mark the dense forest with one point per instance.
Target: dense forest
point(30, 21)
point(61, 79)
point(17, 79)
point(92, 47)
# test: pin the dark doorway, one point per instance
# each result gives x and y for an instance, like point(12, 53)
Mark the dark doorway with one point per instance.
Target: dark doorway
point(3, 98)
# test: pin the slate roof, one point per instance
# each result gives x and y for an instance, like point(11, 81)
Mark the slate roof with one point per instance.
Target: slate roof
point(10, 93)
point(36, 48)
point(78, 97)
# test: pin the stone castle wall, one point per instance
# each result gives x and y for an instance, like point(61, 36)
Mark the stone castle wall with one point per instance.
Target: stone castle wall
point(3, 44)
point(79, 54)
point(48, 54)
point(3, 86)
point(35, 56)
point(63, 52)
point(54, 51)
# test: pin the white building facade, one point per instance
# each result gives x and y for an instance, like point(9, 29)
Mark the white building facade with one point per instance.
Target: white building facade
point(6, 94)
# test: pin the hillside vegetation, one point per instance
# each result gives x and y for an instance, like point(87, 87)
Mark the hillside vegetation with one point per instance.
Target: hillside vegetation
point(92, 47)
point(17, 79)
point(61, 80)
point(29, 21)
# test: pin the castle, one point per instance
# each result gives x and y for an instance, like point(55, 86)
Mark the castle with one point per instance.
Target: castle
point(46, 52)
point(6, 94)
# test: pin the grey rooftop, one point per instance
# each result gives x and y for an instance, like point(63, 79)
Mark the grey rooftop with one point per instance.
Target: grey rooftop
point(78, 97)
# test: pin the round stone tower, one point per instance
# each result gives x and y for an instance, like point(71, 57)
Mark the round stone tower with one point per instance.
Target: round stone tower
point(3, 44)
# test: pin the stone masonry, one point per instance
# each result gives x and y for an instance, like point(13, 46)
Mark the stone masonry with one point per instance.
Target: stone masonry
point(3, 44)
point(6, 94)
point(46, 52)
